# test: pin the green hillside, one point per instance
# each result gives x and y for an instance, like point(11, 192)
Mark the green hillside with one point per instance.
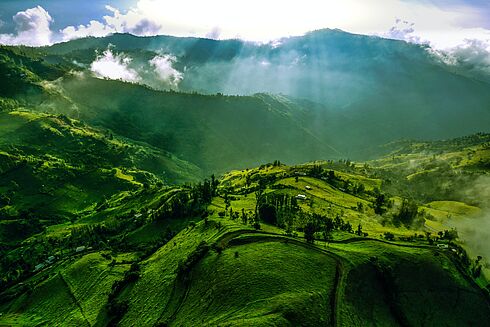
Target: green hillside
point(107, 217)
point(256, 254)
point(259, 278)
point(53, 168)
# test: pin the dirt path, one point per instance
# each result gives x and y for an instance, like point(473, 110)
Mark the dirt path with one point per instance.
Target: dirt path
point(232, 239)
point(73, 297)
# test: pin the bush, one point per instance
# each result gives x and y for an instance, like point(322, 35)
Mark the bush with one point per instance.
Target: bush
point(193, 258)
point(389, 236)
point(116, 310)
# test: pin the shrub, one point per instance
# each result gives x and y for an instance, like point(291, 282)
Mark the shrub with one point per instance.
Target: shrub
point(389, 236)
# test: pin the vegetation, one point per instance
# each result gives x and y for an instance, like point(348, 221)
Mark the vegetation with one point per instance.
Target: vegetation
point(106, 217)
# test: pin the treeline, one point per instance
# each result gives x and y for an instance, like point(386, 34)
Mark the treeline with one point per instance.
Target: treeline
point(192, 201)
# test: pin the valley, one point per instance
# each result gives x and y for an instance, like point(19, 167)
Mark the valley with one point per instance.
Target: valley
point(209, 198)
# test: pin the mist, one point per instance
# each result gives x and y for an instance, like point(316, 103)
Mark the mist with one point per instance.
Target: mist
point(114, 66)
point(475, 231)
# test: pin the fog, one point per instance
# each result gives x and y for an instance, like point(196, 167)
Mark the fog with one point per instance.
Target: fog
point(475, 231)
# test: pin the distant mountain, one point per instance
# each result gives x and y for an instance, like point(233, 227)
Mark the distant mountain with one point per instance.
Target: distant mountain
point(328, 94)
point(387, 89)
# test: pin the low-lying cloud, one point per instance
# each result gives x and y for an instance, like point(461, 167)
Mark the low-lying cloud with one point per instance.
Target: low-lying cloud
point(474, 54)
point(475, 231)
point(158, 73)
point(164, 70)
point(114, 66)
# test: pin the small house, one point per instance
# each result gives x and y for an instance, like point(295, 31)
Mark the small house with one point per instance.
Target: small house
point(80, 249)
point(308, 187)
point(301, 197)
point(39, 267)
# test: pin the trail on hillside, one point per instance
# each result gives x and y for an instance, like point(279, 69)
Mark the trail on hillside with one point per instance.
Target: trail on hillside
point(73, 297)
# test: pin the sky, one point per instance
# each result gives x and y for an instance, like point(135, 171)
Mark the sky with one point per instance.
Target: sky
point(443, 24)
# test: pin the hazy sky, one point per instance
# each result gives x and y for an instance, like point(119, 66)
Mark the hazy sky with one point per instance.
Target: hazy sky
point(443, 23)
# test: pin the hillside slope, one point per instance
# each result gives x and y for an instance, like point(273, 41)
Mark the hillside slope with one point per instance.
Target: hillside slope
point(387, 89)
point(52, 168)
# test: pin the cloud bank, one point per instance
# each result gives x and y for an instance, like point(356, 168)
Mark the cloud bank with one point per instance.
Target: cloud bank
point(111, 66)
point(444, 25)
point(164, 70)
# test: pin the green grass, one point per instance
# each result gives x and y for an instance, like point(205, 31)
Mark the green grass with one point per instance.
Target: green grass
point(75, 293)
point(265, 285)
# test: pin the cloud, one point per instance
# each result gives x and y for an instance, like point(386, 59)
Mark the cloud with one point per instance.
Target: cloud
point(475, 231)
point(404, 31)
point(214, 33)
point(473, 55)
point(111, 66)
point(32, 27)
point(164, 70)
point(133, 21)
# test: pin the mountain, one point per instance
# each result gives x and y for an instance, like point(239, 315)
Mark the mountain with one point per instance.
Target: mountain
point(388, 89)
point(338, 95)
point(106, 218)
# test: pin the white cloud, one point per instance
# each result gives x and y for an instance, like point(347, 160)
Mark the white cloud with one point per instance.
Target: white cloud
point(111, 66)
point(134, 21)
point(405, 31)
point(473, 55)
point(32, 27)
point(264, 21)
point(164, 70)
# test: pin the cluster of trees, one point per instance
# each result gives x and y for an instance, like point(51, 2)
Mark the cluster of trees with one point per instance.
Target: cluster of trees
point(276, 208)
point(116, 309)
point(190, 202)
point(324, 225)
point(407, 214)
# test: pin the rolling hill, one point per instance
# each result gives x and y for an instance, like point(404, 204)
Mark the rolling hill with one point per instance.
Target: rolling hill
point(106, 218)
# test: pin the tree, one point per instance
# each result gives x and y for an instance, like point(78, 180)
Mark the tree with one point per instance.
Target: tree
point(406, 215)
point(310, 230)
point(359, 230)
point(389, 236)
point(379, 203)
point(267, 213)
point(451, 235)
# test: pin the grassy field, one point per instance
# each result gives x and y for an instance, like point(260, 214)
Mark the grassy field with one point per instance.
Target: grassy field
point(219, 271)
point(73, 293)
